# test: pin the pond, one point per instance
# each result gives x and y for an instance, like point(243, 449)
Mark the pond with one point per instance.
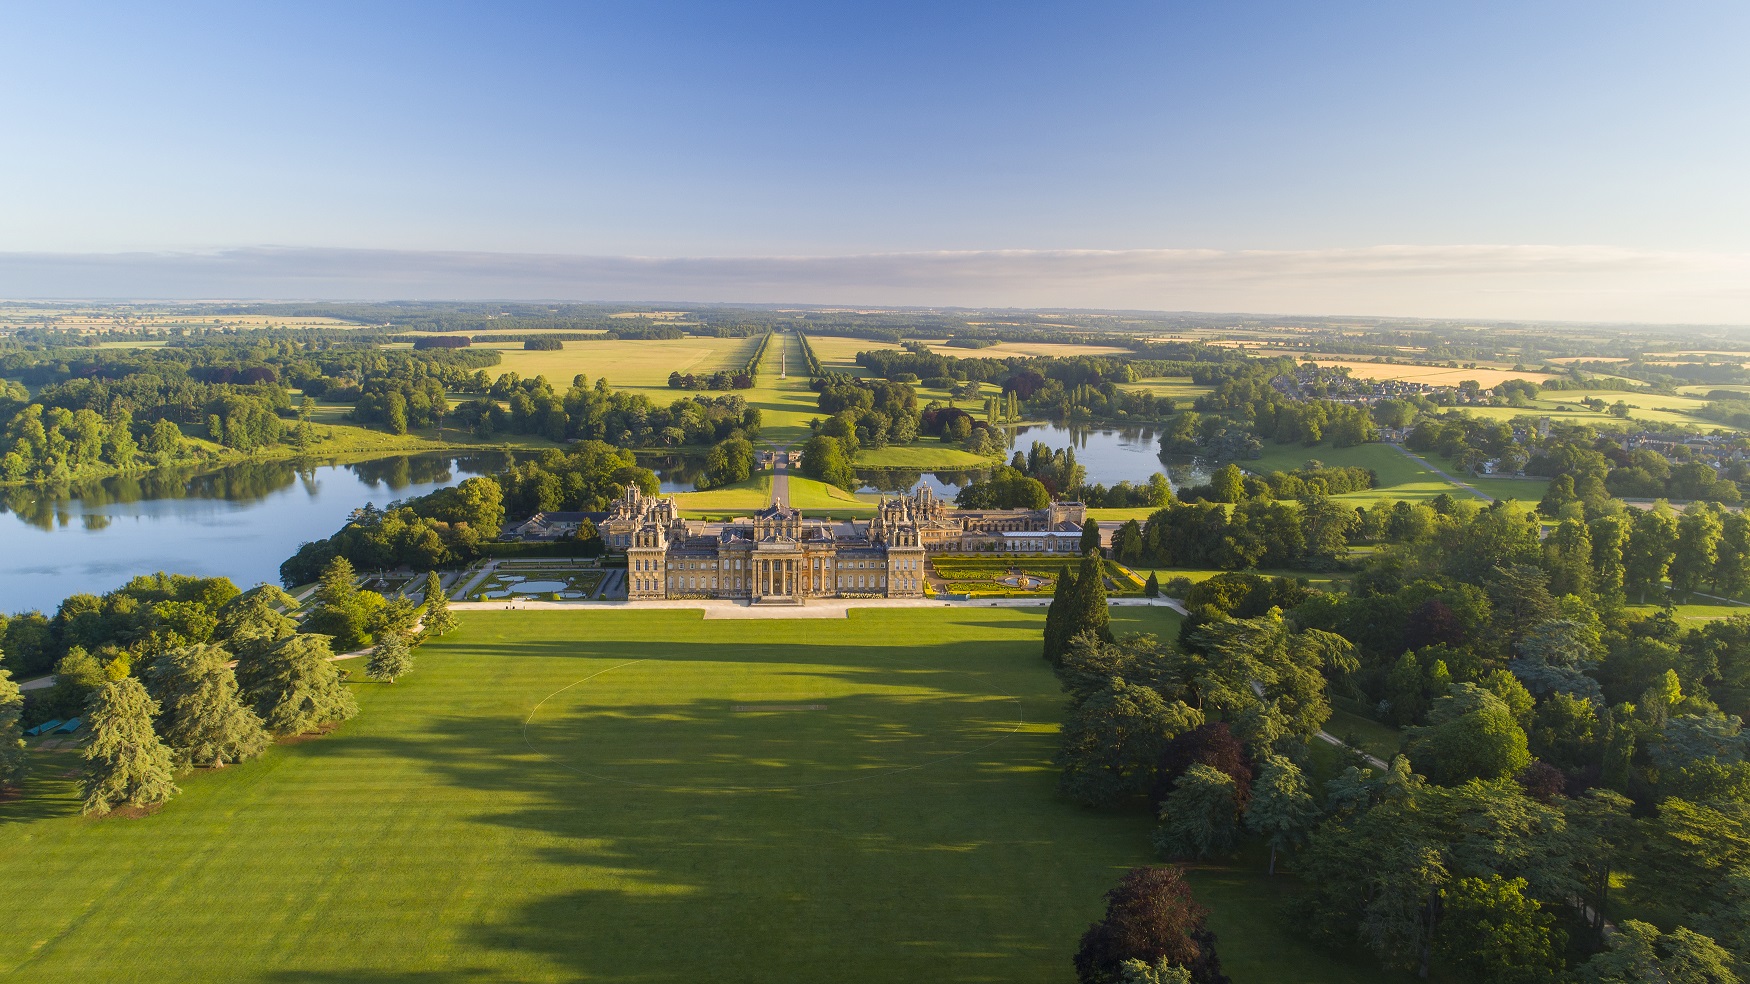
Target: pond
point(1109, 454)
point(240, 521)
point(675, 472)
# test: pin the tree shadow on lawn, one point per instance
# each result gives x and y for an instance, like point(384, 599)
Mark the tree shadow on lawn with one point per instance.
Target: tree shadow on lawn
point(50, 790)
point(965, 868)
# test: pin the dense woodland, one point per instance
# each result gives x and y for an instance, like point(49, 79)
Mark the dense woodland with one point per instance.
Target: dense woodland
point(1554, 738)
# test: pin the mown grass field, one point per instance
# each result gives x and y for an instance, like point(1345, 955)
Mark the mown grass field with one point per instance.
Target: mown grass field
point(1563, 406)
point(1324, 582)
point(818, 498)
point(1400, 476)
point(927, 455)
point(1180, 388)
point(739, 499)
point(837, 354)
point(609, 796)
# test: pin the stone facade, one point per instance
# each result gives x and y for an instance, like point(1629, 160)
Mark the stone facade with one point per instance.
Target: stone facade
point(778, 557)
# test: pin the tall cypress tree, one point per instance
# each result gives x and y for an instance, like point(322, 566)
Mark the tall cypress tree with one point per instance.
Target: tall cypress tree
point(1090, 536)
point(128, 764)
point(1089, 611)
point(202, 717)
point(438, 617)
point(13, 764)
point(1057, 617)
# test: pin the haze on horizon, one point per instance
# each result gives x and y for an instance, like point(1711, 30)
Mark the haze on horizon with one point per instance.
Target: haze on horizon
point(1540, 161)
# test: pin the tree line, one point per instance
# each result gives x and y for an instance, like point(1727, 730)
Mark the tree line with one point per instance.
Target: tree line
point(234, 674)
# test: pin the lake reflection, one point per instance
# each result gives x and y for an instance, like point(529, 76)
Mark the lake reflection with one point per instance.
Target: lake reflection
point(675, 472)
point(240, 521)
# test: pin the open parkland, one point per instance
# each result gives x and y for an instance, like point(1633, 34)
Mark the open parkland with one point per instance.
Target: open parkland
point(602, 793)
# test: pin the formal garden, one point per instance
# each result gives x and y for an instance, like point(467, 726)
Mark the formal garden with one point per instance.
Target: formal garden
point(983, 576)
point(558, 581)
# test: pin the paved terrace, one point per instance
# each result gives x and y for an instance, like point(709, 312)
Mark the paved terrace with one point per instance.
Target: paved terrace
point(815, 608)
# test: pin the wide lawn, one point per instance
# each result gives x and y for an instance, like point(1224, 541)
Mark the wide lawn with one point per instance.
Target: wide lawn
point(740, 499)
point(926, 455)
point(1400, 475)
point(630, 796)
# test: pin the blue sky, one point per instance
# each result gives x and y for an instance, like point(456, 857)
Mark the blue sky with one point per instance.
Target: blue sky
point(835, 130)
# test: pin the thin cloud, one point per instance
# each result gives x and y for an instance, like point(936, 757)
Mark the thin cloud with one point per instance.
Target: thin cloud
point(1482, 281)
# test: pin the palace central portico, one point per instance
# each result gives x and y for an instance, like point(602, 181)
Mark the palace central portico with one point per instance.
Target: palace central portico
point(778, 557)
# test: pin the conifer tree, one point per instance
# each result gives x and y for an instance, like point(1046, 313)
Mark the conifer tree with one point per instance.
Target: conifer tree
point(390, 659)
point(255, 621)
point(339, 607)
point(1090, 536)
point(202, 718)
point(1057, 617)
point(1152, 587)
point(13, 764)
point(295, 688)
point(438, 617)
point(1090, 613)
point(1281, 808)
point(127, 763)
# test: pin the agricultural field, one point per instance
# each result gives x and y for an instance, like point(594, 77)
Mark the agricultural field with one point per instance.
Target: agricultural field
point(838, 354)
point(112, 320)
point(1004, 350)
point(632, 796)
point(626, 364)
point(1431, 374)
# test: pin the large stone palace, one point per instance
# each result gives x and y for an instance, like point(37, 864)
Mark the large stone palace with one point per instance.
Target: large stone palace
point(777, 556)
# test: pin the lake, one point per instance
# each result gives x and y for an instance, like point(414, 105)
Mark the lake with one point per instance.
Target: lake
point(240, 521)
point(1110, 455)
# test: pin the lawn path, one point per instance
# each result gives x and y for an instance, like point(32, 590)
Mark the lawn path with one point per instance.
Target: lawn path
point(1425, 463)
point(781, 482)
